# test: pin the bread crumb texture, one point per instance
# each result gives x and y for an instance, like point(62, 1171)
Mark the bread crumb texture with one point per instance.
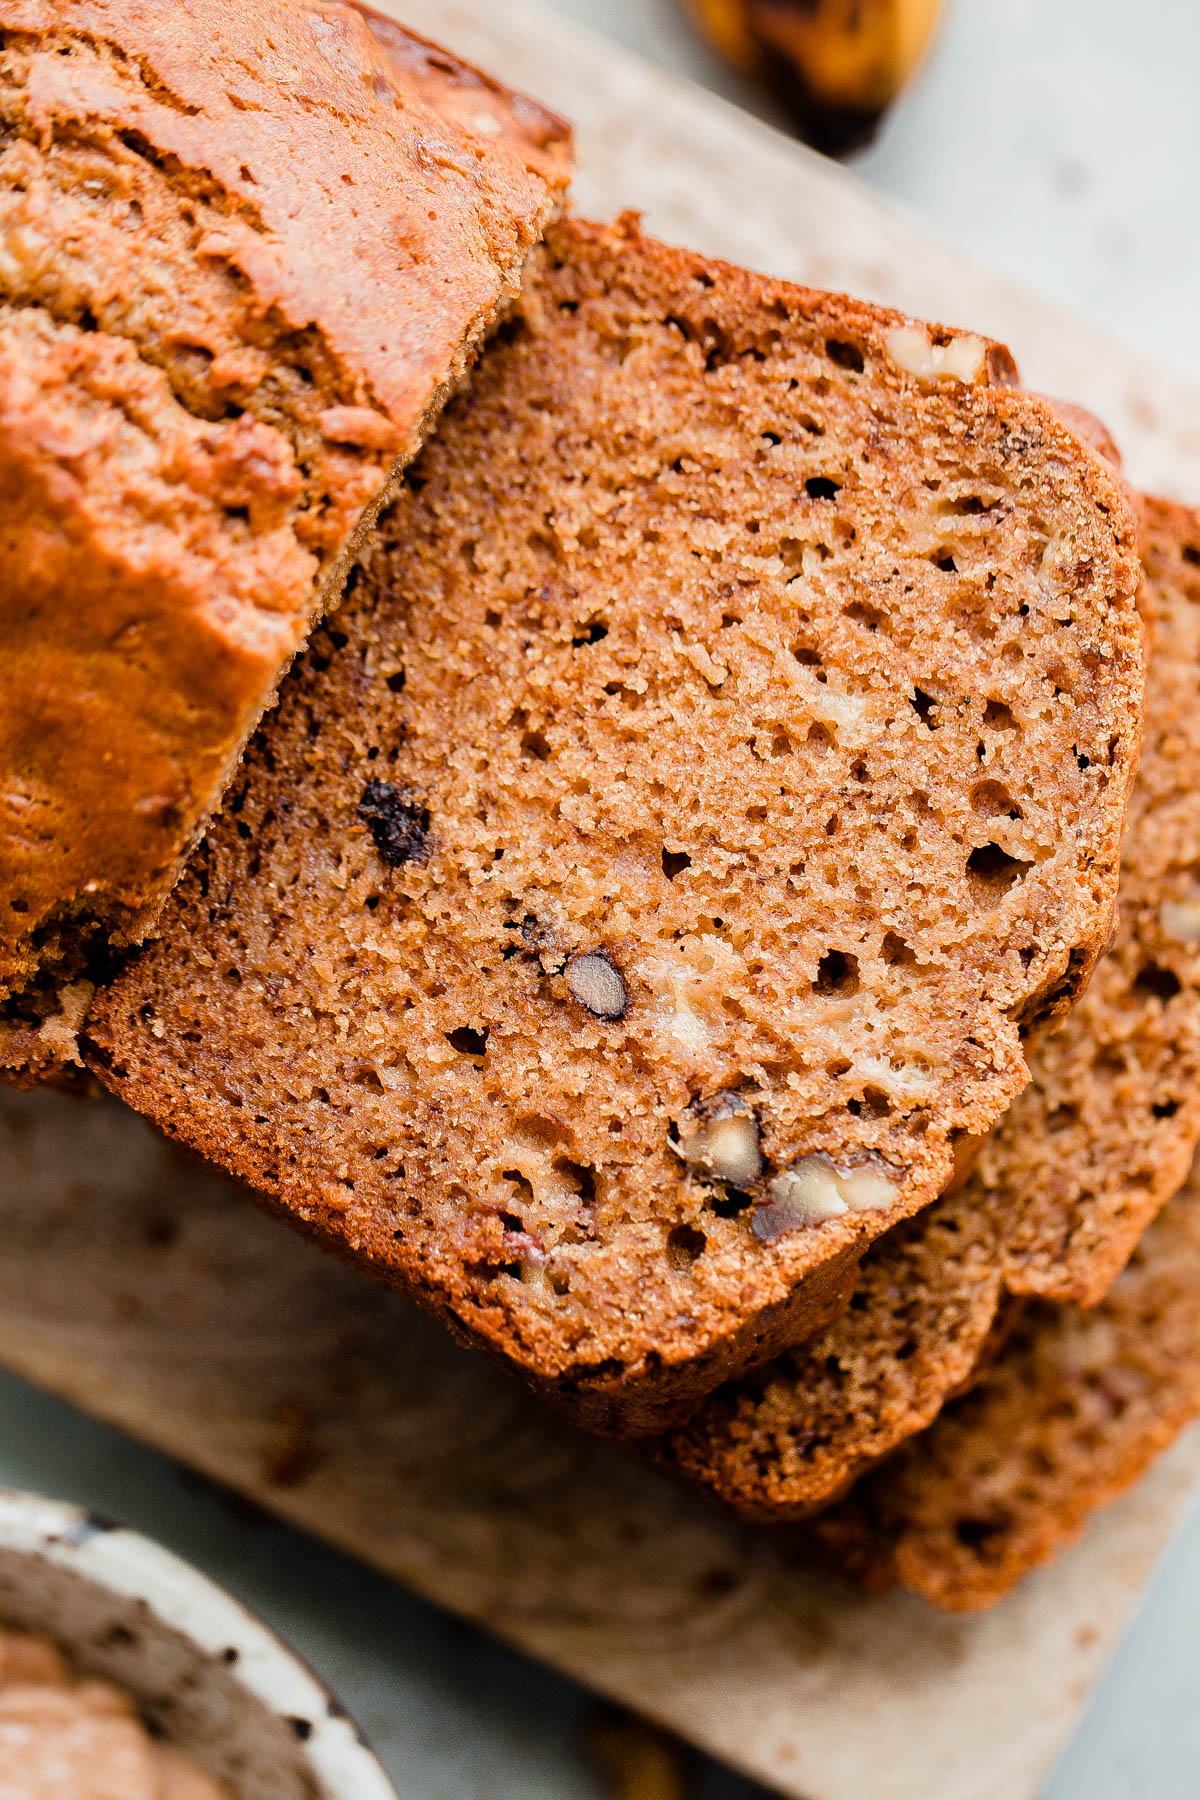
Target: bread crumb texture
point(651, 871)
point(245, 251)
point(1073, 1411)
point(1099, 1140)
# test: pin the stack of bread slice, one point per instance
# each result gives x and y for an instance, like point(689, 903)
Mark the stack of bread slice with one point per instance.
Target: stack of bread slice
point(653, 927)
point(1088, 1155)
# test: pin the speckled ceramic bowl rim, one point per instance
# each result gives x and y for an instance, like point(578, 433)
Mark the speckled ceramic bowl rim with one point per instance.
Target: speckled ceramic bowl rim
point(135, 1568)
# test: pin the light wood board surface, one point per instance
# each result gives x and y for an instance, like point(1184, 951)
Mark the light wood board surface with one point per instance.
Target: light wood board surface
point(141, 1288)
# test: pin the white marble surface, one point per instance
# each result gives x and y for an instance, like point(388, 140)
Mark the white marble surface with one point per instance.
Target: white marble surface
point(1060, 139)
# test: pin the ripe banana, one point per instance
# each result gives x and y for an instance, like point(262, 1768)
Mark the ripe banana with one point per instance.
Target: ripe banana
point(836, 64)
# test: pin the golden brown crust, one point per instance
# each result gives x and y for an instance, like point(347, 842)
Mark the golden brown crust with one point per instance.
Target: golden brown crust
point(1099, 1140)
point(726, 750)
point(245, 252)
point(1071, 1413)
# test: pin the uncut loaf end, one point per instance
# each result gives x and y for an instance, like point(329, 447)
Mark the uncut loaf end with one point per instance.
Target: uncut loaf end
point(245, 254)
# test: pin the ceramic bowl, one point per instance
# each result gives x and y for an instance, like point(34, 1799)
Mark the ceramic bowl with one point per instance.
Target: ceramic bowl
point(204, 1671)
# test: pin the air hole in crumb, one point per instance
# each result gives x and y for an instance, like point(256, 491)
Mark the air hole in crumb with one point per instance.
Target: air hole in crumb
point(837, 973)
point(820, 487)
point(467, 1041)
point(1191, 553)
point(923, 705)
point(846, 356)
point(590, 633)
point(396, 681)
point(684, 1245)
point(727, 1203)
point(1162, 983)
point(820, 737)
point(896, 952)
point(943, 560)
point(1062, 1118)
point(975, 1534)
point(999, 716)
point(992, 800)
point(674, 862)
point(1165, 1109)
point(994, 870)
point(580, 1176)
point(860, 612)
point(533, 743)
point(837, 1066)
point(781, 744)
point(523, 1186)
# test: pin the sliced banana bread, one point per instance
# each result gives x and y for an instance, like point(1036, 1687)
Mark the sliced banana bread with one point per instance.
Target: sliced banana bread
point(650, 872)
point(1075, 1408)
point(245, 252)
point(1103, 1135)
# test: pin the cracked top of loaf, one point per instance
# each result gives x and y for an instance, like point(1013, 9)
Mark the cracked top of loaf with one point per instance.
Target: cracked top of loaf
point(245, 253)
point(659, 864)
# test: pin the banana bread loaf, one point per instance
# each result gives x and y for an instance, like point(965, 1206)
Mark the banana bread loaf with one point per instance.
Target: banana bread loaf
point(1072, 1412)
point(245, 252)
point(1103, 1135)
point(648, 876)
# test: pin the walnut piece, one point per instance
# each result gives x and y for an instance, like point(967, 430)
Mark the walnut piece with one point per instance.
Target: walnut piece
point(816, 1188)
point(962, 359)
point(723, 1140)
point(596, 984)
point(1180, 920)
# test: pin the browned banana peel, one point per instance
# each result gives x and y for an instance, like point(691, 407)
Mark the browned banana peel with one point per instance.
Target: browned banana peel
point(835, 64)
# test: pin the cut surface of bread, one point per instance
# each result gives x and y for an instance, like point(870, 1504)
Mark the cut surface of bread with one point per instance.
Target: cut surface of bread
point(245, 253)
point(1105, 1133)
point(648, 876)
point(1075, 1408)
point(1091, 1150)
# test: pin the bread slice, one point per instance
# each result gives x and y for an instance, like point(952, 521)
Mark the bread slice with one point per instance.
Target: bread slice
point(1099, 1140)
point(1105, 1135)
point(648, 876)
point(1075, 1408)
point(245, 253)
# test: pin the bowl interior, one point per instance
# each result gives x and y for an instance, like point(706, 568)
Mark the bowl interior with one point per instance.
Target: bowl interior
point(198, 1698)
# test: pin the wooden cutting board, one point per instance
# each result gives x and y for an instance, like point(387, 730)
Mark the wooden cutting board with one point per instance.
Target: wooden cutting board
point(139, 1286)
point(144, 1290)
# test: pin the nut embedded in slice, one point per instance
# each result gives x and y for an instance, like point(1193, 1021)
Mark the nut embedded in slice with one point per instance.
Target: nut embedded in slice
point(597, 984)
point(723, 1140)
point(816, 1189)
